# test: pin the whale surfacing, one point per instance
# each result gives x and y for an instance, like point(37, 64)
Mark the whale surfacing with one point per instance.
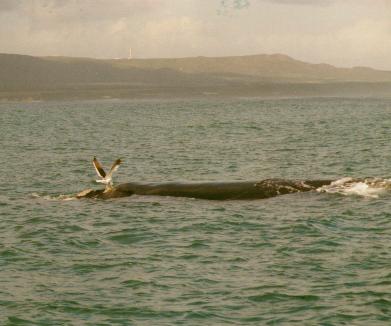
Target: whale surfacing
point(234, 190)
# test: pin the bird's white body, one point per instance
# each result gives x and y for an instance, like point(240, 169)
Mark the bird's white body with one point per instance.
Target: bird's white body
point(106, 179)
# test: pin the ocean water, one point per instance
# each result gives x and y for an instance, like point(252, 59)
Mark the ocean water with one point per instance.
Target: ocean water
point(317, 258)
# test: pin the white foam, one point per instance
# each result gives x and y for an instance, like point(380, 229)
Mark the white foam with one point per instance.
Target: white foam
point(369, 187)
point(54, 198)
point(341, 181)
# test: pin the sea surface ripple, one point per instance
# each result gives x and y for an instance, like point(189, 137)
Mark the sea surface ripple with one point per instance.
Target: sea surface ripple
point(312, 258)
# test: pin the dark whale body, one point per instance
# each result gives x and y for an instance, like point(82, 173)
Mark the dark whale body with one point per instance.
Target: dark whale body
point(234, 190)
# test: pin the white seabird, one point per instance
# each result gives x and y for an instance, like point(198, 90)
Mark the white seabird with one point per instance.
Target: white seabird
point(106, 178)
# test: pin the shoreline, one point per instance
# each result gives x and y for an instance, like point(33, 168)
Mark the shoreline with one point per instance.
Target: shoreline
point(256, 90)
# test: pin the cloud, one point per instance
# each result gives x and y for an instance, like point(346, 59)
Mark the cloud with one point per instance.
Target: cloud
point(303, 2)
point(240, 4)
point(235, 4)
point(9, 5)
point(170, 37)
point(91, 8)
point(344, 33)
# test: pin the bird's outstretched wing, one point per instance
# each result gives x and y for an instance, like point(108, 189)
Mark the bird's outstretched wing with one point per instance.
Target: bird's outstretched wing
point(98, 168)
point(114, 167)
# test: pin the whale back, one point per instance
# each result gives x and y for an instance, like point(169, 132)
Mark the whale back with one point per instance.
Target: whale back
point(234, 190)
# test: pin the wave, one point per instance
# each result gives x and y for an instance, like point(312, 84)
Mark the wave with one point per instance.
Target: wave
point(53, 198)
point(366, 187)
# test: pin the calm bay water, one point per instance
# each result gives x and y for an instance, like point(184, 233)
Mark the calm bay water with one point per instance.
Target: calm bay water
point(305, 259)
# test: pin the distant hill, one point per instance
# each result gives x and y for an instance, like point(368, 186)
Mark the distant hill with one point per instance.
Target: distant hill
point(35, 72)
point(27, 77)
point(274, 67)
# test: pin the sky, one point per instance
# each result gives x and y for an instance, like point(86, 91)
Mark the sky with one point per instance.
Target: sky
point(343, 33)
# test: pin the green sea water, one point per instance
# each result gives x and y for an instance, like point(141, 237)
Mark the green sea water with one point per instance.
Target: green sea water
point(301, 259)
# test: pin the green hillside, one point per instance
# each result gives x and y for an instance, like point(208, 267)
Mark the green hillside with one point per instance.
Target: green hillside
point(27, 77)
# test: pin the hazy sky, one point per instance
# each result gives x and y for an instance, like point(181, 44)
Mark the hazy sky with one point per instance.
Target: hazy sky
point(339, 32)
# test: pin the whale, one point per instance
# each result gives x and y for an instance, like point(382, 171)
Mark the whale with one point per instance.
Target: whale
point(213, 190)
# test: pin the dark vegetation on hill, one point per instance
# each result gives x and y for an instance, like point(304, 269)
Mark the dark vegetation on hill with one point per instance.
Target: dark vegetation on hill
point(27, 77)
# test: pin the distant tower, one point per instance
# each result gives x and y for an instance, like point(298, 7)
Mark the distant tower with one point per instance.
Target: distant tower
point(130, 53)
